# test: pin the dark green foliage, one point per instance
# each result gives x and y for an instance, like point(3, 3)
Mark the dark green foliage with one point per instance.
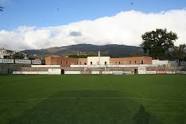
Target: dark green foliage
point(88, 99)
point(179, 53)
point(19, 55)
point(79, 56)
point(158, 43)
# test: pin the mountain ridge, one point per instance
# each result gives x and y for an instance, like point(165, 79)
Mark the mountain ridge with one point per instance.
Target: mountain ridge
point(113, 50)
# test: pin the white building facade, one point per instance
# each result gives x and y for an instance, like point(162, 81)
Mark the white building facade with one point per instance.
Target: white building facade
point(5, 53)
point(103, 60)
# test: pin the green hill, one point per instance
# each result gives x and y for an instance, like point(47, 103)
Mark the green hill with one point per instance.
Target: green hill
point(112, 50)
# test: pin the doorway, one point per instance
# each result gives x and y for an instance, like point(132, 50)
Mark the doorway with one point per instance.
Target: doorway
point(62, 71)
point(135, 71)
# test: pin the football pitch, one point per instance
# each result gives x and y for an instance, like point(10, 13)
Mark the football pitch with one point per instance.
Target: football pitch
point(93, 99)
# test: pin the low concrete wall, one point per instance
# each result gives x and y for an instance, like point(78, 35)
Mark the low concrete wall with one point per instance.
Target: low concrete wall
point(54, 71)
point(160, 72)
point(150, 72)
point(117, 72)
point(141, 70)
point(49, 72)
point(160, 62)
point(180, 72)
point(9, 68)
point(45, 66)
point(72, 72)
point(99, 72)
point(31, 72)
point(95, 72)
point(114, 66)
point(106, 72)
point(165, 72)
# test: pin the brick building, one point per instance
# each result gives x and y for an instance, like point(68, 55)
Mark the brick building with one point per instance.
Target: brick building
point(82, 61)
point(53, 60)
point(131, 60)
point(67, 61)
point(63, 61)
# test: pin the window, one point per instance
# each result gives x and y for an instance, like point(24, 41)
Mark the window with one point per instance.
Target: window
point(141, 61)
point(105, 63)
point(119, 63)
point(91, 63)
point(135, 62)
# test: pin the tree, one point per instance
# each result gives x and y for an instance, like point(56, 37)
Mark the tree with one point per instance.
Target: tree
point(157, 43)
point(18, 55)
point(179, 53)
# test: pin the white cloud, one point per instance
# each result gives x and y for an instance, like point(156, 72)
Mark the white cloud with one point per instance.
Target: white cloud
point(123, 28)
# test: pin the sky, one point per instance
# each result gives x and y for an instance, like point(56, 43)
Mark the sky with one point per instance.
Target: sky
point(35, 24)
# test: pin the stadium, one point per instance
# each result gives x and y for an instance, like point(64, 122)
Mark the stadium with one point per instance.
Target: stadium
point(96, 89)
point(92, 62)
point(90, 65)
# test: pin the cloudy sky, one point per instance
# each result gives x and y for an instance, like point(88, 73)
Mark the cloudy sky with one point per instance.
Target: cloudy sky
point(35, 24)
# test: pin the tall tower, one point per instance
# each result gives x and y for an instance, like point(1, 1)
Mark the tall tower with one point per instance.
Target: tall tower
point(99, 54)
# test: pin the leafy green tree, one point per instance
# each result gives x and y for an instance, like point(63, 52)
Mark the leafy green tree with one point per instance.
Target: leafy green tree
point(78, 56)
point(179, 53)
point(18, 55)
point(157, 43)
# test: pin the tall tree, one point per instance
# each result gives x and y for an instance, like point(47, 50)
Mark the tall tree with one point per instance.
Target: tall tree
point(157, 43)
point(18, 55)
point(179, 53)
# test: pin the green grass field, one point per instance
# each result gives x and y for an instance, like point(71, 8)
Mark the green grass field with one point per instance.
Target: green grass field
point(88, 99)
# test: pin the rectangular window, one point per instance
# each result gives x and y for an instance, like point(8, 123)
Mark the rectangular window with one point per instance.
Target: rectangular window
point(141, 61)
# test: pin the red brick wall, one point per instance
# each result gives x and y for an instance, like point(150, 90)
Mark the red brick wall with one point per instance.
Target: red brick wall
point(63, 61)
point(82, 61)
point(131, 60)
point(53, 60)
point(66, 62)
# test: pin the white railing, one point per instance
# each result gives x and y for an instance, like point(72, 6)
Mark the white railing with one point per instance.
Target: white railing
point(105, 66)
point(45, 66)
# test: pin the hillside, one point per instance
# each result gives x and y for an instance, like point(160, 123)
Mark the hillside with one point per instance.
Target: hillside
point(112, 50)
